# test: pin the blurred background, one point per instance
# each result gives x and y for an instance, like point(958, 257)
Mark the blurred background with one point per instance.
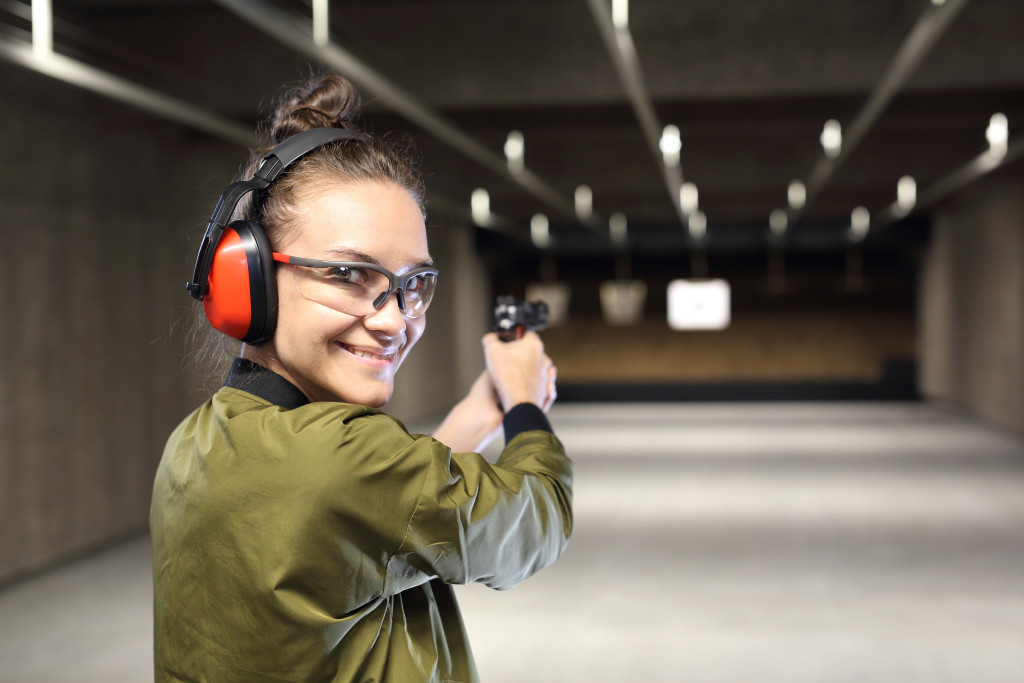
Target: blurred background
point(783, 243)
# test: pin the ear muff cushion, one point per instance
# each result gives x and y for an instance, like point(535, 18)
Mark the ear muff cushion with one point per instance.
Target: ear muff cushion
point(242, 297)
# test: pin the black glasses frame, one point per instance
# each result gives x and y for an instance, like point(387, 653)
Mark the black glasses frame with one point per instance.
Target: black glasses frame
point(396, 283)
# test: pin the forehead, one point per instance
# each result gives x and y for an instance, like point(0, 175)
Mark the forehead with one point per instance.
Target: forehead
point(379, 219)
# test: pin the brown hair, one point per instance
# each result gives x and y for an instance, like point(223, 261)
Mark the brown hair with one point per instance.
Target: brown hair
point(327, 101)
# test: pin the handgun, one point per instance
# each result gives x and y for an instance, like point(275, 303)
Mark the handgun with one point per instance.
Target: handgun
point(513, 319)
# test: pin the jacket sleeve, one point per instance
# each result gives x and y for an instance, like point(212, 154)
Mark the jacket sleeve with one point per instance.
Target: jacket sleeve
point(473, 521)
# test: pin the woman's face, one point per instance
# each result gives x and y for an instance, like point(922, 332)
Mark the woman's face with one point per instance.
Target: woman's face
point(333, 356)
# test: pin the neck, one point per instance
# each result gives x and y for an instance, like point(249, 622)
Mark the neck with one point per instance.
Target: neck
point(266, 356)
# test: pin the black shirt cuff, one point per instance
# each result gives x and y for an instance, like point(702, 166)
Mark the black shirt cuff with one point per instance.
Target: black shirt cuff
point(524, 417)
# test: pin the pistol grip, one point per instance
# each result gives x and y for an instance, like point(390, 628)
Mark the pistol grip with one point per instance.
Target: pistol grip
point(513, 334)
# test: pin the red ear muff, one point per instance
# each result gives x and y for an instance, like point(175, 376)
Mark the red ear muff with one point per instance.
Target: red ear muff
point(241, 300)
point(234, 274)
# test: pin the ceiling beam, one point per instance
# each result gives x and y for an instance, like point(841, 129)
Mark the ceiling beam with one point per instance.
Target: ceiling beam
point(90, 78)
point(931, 26)
point(622, 51)
point(976, 168)
point(297, 36)
point(166, 107)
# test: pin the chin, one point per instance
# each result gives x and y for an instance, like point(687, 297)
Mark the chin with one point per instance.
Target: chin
point(373, 397)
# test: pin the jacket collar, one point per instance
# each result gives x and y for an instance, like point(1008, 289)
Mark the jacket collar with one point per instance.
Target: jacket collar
point(266, 384)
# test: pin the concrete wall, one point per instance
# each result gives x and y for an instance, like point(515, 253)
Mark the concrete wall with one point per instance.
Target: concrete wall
point(96, 202)
point(972, 303)
point(100, 212)
point(448, 357)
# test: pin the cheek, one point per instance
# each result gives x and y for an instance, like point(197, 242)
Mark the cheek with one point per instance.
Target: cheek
point(302, 322)
point(290, 305)
point(286, 293)
point(413, 332)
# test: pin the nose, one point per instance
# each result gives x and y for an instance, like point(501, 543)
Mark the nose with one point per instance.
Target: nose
point(388, 318)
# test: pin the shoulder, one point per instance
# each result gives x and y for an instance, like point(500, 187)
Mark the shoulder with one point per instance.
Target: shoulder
point(318, 427)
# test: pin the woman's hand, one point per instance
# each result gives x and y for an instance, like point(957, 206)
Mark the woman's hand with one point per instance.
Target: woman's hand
point(475, 421)
point(520, 371)
point(517, 372)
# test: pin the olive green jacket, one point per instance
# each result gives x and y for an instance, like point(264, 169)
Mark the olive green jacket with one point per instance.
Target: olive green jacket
point(297, 541)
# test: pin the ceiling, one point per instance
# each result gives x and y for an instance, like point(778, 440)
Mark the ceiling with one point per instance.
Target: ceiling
point(748, 83)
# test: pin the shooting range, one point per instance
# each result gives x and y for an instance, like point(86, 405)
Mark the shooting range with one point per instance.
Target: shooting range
point(781, 246)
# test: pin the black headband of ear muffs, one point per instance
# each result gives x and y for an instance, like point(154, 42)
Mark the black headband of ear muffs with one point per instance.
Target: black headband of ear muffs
point(271, 166)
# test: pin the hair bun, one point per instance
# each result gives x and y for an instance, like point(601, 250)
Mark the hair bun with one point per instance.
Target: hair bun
point(326, 102)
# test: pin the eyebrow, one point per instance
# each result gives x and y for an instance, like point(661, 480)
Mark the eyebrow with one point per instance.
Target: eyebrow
point(355, 254)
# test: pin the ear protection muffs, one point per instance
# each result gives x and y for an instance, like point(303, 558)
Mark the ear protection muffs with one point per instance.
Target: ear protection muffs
point(234, 274)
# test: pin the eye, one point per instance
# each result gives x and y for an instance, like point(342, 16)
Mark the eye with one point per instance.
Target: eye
point(346, 275)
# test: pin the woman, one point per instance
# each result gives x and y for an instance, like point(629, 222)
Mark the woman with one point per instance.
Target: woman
point(299, 533)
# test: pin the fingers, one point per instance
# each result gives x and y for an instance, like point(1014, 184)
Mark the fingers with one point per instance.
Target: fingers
point(552, 388)
point(519, 370)
point(528, 339)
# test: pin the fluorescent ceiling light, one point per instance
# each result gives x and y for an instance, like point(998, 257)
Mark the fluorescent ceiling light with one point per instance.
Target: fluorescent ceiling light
point(832, 138)
point(480, 206)
point(584, 198)
point(906, 193)
point(515, 149)
point(698, 225)
point(796, 194)
point(860, 223)
point(689, 198)
point(617, 227)
point(670, 145)
point(540, 230)
point(778, 222)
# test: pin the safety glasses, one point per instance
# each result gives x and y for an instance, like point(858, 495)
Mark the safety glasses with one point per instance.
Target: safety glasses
point(359, 289)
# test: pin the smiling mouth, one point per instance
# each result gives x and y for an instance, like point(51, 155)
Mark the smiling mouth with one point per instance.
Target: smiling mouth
point(359, 353)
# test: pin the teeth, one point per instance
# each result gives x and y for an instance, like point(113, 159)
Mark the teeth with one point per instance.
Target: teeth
point(365, 354)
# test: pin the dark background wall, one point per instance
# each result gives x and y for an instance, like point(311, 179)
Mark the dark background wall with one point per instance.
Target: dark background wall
point(96, 206)
point(101, 209)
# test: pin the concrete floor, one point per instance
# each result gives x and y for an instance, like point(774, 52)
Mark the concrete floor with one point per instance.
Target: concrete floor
point(730, 542)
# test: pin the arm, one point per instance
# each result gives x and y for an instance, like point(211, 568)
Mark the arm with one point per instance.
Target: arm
point(475, 421)
point(494, 524)
point(517, 372)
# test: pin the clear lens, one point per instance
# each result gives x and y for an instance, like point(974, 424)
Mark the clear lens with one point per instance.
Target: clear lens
point(418, 291)
point(354, 290)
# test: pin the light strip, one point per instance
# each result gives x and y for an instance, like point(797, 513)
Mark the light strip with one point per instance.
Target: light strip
point(620, 14)
point(42, 28)
point(321, 22)
point(622, 52)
